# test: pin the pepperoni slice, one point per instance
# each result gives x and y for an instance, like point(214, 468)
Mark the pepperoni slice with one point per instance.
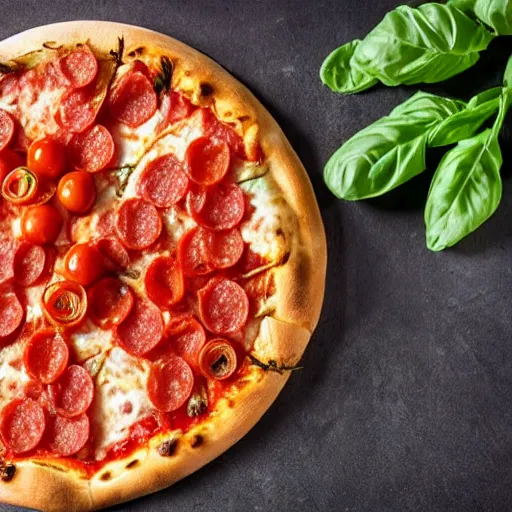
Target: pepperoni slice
point(223, 306)
point(91, 150)
point(29, 263)
point(22, 425)
point(11, 313)
point(7, 252)
point(170, 383)
point(46, 355)
point(223, 208)
point(80, 67)
point(207, 160)
point(134, 100)
point(187, 337)
point(181, 108)
point(6, 129)
point(193, 252)
point(164, 281)
point(110, 302)
point(115, 256)
point(76, 111)
point(67, 436)
point(226, 248)
point(220, 131)
point(163, 181)
point(196, 199)
point(138, 224)
point(72, 394)
point(143, 328)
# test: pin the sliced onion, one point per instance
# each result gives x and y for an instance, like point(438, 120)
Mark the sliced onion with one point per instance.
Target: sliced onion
point(65, 303)
point(20, 186)
point(217, 359)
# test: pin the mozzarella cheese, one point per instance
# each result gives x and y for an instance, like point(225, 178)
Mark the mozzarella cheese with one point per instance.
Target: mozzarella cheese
point(34, 296)
point(13, 376)
point(90, 341)
point(120, 399)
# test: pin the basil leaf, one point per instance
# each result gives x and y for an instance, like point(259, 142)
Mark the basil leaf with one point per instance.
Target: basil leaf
point(507, 80)
point(428, 44)
point(389, 152)
point(496, 14)
point(340, 75)
point(466, 188)
point(464, 124)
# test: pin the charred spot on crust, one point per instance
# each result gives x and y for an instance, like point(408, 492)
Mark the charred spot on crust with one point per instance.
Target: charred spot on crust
point(167, 448)
point(7, 472)
point(132, 464)
point(196, 441)
point(242, 119)
point(137, 52)
point(106, 476)
point(206, 89)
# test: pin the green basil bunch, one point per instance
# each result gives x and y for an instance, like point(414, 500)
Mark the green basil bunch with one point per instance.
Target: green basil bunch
point(466, 188)
point(411, 45)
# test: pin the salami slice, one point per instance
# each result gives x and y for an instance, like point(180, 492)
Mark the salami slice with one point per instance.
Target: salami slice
point(223, 306)
point(67, 436)
point(115, 256)
point(22, 425)
point(91, 150)
point(207, 161)
point(29, 263)
point(223, 208)
point(163, 181)
point(110, 302)
point(181, 108)
point(6, 129)
point(80, 67)
point(72, 394)
point(187, 337)
point(11, 313)
point(143, 328)
point(164, 281)
point(196, 199)
point(227, 248)
point(134, 100)
point(170, 383)
point(138, 224)
point(7, 252)
point(76, 111)
point(194, 252)
point(220, 131)
point(46, 355)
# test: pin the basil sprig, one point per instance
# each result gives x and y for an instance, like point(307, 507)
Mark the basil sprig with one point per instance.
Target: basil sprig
point(466, 187)
point(410, 45)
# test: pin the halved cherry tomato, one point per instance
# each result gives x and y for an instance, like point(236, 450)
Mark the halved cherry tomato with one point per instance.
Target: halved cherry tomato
point(41, 224)
point(20, 186)
point(47, 158)
point(76, 191)
point(9, 160)
point(83, 264)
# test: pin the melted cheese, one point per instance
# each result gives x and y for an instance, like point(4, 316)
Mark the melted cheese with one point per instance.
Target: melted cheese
point(90, 341)
point(120, 399)
point(177, 223)
point(13, 376)
point(34, 296)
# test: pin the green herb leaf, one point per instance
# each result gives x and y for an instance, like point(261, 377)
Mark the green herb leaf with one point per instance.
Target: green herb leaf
point(273, 366)
point(162, 81)
point(428, 44)
point(339, 73)
point(466, 188)
point(118, 54)
point(507, 79)
point(464, 124)
point(389, 152)
point(496, 14)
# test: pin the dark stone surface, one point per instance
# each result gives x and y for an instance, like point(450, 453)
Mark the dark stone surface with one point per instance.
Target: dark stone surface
point(404, 402)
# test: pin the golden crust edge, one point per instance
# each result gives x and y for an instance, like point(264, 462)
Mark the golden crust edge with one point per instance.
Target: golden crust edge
point(53, 490)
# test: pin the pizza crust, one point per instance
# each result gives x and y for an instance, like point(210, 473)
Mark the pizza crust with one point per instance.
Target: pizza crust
point(283, 336)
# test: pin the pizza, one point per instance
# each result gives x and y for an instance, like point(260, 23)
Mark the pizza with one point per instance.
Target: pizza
point(162, 263)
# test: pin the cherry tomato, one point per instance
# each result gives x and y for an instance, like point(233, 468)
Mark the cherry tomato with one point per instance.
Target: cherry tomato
point(83, 264)
point(76, 191)
point(41, 224)
point(47, 158)
point(9, 160)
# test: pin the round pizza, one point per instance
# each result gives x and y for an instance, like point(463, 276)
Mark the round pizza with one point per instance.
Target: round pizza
point(162, 263)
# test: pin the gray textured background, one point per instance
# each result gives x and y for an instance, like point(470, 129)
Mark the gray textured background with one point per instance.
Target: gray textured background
point(405, 399)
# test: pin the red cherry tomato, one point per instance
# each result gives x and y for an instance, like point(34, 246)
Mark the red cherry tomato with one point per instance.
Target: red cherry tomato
point(9, 160)
point(41, 224)
point(47, 158)
point(77, 192)
point(83, 264)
